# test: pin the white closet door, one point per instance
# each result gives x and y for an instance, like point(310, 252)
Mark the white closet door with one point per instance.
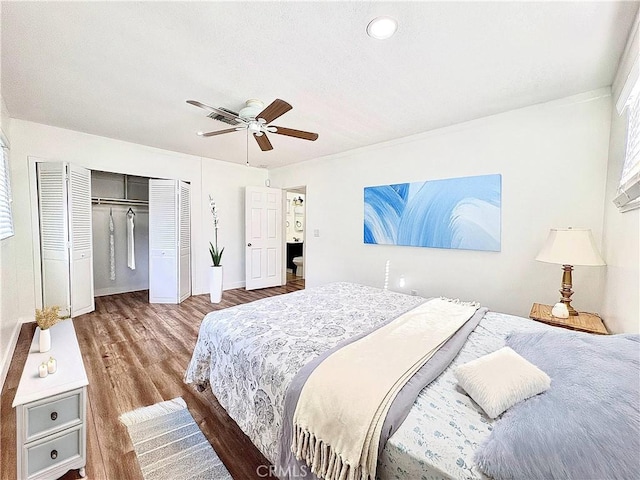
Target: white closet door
point(163, 241)
point(80, 240)
point(54, 235)
point(185, 242)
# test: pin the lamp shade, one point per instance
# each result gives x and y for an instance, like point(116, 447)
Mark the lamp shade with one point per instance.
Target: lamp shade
point(570, 246)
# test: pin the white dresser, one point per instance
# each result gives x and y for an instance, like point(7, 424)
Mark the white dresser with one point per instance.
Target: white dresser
point(51, 411)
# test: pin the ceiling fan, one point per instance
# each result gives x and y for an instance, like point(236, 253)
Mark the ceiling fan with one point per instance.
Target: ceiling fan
point(255, 119)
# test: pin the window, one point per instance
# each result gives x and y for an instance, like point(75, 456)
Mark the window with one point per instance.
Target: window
point(629, 189)
point(6, 219)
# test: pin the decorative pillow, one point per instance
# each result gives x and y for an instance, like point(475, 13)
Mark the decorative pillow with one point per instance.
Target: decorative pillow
point(501, 379)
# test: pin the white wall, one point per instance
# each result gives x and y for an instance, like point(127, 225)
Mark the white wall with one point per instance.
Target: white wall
point(621, 230)
point(552, 158)
point(225, 183)
point(225, 180)
point(9, 264)
point(621, 306)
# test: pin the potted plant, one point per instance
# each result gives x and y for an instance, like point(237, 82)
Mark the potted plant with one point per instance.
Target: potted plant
point(215, 278)
point(46, 318)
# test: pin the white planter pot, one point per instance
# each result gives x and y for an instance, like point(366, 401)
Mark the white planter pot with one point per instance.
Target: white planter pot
point(44, 340)
point(215, 284)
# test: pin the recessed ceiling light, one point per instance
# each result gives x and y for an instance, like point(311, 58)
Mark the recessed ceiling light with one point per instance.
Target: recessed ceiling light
point(382, 27)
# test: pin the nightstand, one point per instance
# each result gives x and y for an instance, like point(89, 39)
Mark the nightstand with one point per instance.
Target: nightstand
point(584, 322)
point(51, 411)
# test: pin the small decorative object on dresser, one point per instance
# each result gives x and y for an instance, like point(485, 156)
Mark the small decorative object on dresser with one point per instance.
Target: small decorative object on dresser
point(46, 318)
point(582, 322)
point(51, 411)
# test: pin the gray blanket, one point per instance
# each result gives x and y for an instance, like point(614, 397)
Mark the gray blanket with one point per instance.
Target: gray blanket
point(288, 467)
point(586, 426)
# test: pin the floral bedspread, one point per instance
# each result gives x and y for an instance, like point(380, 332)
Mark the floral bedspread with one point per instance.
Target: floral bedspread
point(249, 354)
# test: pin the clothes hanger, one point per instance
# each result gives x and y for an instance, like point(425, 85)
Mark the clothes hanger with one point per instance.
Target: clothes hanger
point(131, 212)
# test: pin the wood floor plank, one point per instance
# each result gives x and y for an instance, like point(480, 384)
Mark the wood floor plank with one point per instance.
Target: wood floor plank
point(136, 354)
point(95, 469)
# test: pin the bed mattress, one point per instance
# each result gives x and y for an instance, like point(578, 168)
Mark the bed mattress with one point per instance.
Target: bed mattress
point(444, 427)
point(250, 353)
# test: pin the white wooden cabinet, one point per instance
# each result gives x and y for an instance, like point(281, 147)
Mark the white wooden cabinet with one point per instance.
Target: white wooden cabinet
point(169, 241)
point(64, 203)
point(51, 411)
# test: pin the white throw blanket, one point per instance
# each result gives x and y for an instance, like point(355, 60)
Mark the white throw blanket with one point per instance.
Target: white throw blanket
point(344, 402)
point(131, 249)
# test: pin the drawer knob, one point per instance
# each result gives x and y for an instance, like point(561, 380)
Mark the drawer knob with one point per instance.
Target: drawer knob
point(54, 454)
point(54, 415)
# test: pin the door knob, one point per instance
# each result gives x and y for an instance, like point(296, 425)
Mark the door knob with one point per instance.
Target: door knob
point(248, 244)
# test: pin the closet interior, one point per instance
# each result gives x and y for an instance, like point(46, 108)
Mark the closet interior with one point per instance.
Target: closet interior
point(120, 218)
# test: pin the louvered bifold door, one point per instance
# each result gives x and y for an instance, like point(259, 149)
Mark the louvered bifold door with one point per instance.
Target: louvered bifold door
point(185, 241)
point(163, 241)
point(54, 235)
point(80, 240)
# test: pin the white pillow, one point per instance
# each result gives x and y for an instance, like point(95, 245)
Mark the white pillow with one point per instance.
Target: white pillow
point(501, 379)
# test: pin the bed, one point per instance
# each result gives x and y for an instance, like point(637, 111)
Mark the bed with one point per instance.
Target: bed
point(250, 353)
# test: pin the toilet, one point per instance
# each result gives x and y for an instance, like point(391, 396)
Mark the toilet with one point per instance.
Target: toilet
point(298, 262)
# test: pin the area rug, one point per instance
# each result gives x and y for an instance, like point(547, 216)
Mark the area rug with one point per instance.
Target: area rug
point(169, 444)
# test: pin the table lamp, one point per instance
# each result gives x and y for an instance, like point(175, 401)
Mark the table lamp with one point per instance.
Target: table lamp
point(569, 247)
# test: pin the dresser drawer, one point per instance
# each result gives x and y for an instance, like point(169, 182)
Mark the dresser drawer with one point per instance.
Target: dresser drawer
point(54, 414)
point(47, 454)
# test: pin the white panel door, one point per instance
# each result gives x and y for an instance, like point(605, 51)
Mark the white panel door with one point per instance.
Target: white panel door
point(263, 233)
point(80, 240)
point(163, 241)
point(184, 279)
point(54, 235)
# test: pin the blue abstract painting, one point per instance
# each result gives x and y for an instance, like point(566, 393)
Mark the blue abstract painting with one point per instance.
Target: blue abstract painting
point(459, 213)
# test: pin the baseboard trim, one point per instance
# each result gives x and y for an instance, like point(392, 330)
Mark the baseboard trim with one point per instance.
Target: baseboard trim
point(11, 348)
point(103, 292)
point(233, 285)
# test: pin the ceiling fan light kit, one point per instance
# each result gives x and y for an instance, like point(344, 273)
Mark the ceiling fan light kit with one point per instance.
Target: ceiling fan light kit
point(255, 119)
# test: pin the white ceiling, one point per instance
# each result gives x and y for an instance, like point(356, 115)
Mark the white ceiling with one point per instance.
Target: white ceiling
point(124, 70)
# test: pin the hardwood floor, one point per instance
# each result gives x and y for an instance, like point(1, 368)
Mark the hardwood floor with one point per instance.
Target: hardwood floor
point(135, 354)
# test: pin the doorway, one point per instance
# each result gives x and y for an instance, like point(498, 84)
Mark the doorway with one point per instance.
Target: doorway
point(295, 230)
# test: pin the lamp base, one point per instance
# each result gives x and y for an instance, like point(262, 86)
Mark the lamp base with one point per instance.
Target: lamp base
point(566, 291)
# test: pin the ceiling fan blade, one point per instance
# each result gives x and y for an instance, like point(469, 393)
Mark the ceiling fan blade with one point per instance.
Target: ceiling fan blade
point(296, 133)
point(274, 110)
point(215, 110)
point(217, 132)
point(264, 142)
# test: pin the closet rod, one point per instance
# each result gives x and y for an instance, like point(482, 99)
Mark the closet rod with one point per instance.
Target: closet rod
point(119, 201)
